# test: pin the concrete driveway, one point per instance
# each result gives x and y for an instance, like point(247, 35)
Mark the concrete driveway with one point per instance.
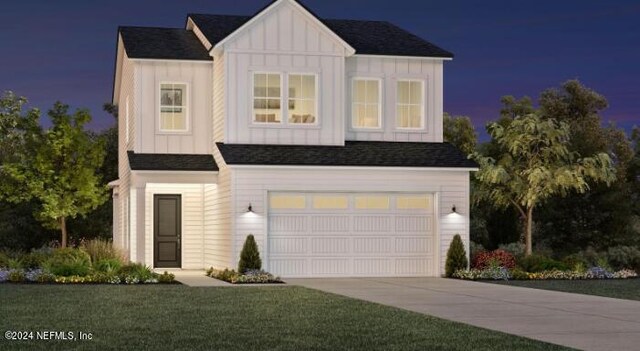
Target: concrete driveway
point(579, 321)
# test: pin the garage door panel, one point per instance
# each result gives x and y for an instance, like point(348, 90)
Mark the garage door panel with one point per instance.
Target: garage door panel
point(288, 224)
point(372, 223)
point(290, 267)
point(421, 224)
point(415, 245)
point(288, 246)
point(370, 245)
point(412, 266)
point(330, 266)
point(330, 224)
point(330, 245)
point(373, 266)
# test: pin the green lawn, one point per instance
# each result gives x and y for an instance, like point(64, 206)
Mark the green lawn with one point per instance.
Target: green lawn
point(245, 318)
point(618, 288)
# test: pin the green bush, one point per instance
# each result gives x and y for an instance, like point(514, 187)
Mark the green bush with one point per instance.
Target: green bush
point(621, 257)
point(34, 259)
point(475, 248)
point(249, 256)
point(69, 262)
point(99, 250)
point(14, 263)
point(135, 271)
point(108, 265)
point(16, 276)
point(518, 274)
point(456, 257)
point(516, 249)
point(539, 263)
point(575, 260)
point(166, 278)
point(4, 260)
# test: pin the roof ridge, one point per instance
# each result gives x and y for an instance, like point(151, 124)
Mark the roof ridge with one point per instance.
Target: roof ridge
point(152, 27)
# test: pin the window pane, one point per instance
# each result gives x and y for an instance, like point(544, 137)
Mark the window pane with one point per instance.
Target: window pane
point(413, 202)
point(373, 90)
point(273, 84)
point(173, 109)
point(372, 116)
point(401, 116)
point(295, 86)
point(330, 202)
point(403, 92)
point(287, 202)
point(260, 85)
point(372, 202)
point(309, 87)
point(416, 93)
point(359, 93)
point(415, 116)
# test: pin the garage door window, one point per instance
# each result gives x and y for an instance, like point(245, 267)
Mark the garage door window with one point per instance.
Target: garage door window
point(412, 202)
point(372, 202)
point(287, 202)
point(330, 202)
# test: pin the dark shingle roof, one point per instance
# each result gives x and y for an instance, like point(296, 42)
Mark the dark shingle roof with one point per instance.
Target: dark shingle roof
point(354, 153)
point(367, 37)
point(171, 162)
point(163, 43)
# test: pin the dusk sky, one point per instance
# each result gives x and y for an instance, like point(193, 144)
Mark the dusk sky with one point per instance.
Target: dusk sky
point(64, 50)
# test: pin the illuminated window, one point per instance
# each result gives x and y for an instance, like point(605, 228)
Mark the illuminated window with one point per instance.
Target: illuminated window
point(267, 97)
point(372, 202)
point(330, 202)
point(366, 108)
point(413, 202)
point(409, 106)
point(173, 107)
point(302, 99)
point(287, 202)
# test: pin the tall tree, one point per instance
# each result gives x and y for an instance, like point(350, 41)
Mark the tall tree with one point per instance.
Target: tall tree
point(62, 175)
point(535, 165)
point(459, 131)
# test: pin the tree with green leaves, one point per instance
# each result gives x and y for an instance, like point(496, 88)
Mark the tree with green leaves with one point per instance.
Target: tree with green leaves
point(459, 131)
point(535, 165)
point(249, 256)
point(456, 257)
point(62, 172)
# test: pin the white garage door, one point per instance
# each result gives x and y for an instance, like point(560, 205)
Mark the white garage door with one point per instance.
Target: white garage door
point(351, 234)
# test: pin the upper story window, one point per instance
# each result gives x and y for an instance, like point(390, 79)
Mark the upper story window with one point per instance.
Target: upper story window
point(173, 107)
point(267, 97)
point(409, 104)
point(302, 99)
point(366, 108)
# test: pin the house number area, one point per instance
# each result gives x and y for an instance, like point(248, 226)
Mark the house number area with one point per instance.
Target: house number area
point(47, 335)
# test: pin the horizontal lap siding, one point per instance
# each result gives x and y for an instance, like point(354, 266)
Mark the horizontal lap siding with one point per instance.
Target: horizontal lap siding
point(193, 222)
point(251, 186)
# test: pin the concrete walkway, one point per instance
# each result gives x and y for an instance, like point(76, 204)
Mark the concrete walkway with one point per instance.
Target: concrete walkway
point(196, 278)
point(574, 320)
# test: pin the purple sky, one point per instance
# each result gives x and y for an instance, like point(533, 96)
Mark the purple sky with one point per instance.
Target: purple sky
point(64, 50)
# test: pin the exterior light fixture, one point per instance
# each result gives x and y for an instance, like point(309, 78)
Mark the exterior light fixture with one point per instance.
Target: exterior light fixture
point(453, 209)
point(250, 209)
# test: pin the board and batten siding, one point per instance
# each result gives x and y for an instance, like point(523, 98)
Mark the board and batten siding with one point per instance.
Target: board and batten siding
point(197, 75)
point(284, 41)
point(389, 71)
point(193, 222)
point(252, 185)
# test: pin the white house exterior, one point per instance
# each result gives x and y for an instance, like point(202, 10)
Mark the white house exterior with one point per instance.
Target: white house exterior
point(322, 138)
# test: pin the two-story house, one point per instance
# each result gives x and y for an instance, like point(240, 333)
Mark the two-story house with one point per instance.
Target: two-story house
point(322, 138)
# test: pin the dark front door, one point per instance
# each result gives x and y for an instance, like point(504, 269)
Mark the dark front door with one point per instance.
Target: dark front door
point(167, 229)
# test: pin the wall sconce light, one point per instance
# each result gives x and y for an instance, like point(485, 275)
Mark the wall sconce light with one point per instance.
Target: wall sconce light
point(453, 209)
point(250, 209)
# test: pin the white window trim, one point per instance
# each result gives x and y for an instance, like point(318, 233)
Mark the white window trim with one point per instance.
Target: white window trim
point(252, 100)
point(316, 98)
point(422, 105)
point(284, 100)
point(186, 101)
point(380, 103)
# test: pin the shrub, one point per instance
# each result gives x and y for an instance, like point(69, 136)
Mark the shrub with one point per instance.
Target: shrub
point(539, 263)
point(14, 263)
point(575, 260)
point(99, 249)
point(516, 249)
point(475, 248)
point(34, 259)
point(134, 273)
point(497, 258)
point(249, 256)
point(456, 257)
point(624, 257)
point(166, 278)
point(108, 265)
point(16, 276)
point(519, 274)
point(494, 273)
point(69, 262)
point(4, 260)
point(253, 276)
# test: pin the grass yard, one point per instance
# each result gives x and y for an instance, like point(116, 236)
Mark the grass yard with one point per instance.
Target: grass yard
point(619, 288)
point(246, 318)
